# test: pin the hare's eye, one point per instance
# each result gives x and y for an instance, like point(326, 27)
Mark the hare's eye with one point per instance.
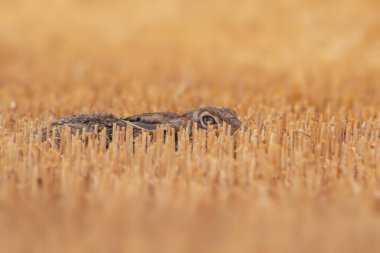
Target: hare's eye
point(209, 120)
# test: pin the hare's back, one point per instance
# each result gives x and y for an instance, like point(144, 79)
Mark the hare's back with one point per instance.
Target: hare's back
point(89, 121)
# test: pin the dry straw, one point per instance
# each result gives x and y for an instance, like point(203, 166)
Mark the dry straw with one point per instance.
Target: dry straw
point(301, 175)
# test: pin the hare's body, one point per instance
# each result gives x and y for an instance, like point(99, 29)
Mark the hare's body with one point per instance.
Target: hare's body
point(203, 117)
point(87, 122)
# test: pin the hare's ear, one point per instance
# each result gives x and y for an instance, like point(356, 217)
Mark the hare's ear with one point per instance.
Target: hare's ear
point(150, 121)
point(144, 126)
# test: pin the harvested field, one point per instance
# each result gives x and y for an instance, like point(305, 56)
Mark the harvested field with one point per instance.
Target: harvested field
point(303, 76)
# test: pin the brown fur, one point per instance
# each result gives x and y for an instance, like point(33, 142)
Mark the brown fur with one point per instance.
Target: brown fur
point(145, 121)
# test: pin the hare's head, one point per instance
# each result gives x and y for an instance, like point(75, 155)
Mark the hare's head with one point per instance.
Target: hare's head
point(204, 117)
point(213, 117)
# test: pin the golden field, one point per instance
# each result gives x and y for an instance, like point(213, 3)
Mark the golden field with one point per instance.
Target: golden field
point(303, 76)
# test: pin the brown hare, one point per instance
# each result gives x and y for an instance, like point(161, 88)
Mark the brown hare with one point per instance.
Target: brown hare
point(203, 117)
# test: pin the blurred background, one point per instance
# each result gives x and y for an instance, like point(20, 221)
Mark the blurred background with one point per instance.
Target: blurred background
point(60, 57)
point(283, 65)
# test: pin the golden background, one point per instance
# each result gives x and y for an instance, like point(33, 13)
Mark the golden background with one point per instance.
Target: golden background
point(305, 68)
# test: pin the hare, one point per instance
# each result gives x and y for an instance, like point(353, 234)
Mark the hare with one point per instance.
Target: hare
point(203, 117)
